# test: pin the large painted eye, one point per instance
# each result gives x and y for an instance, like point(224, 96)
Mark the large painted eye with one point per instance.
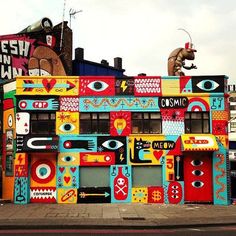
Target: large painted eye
point(68, 158)
point(207, 85)
point(196, 163)
point(42, 171)
point(67, 127)
point(197, 184)
point(197, 172)
point(175, 196)
point(98, 86)
point(112, 144)
point(10, 121)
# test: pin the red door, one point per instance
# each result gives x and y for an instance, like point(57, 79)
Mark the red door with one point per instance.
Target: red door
point(198, 177)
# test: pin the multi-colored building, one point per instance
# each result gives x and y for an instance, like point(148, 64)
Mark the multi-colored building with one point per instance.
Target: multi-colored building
point(91, 139)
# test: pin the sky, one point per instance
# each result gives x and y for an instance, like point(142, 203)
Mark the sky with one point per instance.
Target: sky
point(142, 32)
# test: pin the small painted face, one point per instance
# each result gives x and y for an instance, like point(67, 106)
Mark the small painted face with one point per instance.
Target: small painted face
point(120, 181)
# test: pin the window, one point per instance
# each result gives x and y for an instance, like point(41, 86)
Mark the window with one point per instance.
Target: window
point(94, 123)
point(43, 123)
point(146, 123)
point(153, 176)
point(94, 176)
point(197, 122)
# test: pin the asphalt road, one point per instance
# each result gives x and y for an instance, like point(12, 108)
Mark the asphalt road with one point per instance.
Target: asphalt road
point(198, 231)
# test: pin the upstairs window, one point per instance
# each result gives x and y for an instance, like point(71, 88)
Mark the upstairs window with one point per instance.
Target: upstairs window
point(95, 123)
point(43, 123)
point(146, 123)
point(197, 122)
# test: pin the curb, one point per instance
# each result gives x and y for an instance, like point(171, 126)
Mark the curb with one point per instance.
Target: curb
point(106, 226)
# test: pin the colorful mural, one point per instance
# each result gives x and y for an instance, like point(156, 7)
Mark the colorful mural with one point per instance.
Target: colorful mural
point(35, 53)
point(117, 140)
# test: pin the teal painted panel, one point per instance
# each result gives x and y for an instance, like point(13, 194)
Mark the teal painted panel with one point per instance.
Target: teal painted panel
point(96, 104)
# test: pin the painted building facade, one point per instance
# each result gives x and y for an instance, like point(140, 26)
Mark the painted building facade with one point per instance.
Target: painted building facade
point(113, 139)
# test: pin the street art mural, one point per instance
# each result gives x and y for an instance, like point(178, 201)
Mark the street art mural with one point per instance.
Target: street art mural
point(34, 51)
point(114, 140)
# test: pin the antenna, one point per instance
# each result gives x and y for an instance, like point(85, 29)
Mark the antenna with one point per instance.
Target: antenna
point(187, 33)
point(72, 13)
point(62, 26)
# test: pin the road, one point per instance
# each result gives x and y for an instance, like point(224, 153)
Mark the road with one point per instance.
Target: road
point(198, 231)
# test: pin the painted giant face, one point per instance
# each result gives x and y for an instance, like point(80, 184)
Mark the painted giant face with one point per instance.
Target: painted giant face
point(45, 61)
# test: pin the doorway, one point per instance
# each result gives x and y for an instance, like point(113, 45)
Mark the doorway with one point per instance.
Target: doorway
point(198, 177)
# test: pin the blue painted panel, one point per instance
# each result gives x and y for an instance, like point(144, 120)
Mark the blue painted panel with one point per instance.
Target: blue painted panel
point(121, 183)
point(96, 104)
point(21, 193)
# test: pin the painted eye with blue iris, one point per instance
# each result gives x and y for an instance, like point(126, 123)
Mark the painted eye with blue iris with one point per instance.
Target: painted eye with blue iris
point(67, 127)
point(112, 144)
point(207, 85)
point(98, 86)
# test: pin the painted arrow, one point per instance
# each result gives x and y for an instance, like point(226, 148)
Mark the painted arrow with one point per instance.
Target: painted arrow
point(84, 195)
point(177, 160)
point(68, 85)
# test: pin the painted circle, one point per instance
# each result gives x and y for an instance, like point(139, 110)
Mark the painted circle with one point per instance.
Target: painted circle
point(43, 171)
point(22, 104)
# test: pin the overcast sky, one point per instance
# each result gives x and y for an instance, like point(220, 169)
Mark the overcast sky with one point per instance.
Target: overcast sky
point(142, 32)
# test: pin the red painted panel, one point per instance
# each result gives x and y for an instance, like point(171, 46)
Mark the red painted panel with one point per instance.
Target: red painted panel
point(97, 158)
point(97, 85)
point(147, 86)
point(155, 194)
point(121, 186)
point(120, 123)
point(198, 177)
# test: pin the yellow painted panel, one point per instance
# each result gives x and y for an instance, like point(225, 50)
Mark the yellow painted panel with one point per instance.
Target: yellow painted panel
point(220, 115)
point(21, 159)
point(151, 150)
point(67, 123)
point(140, 195)
point(68, 159)
point(170, 87)
point(223, 140)
point(199, 142)
point(170, 168)
point(51, 85)
point(67, 195)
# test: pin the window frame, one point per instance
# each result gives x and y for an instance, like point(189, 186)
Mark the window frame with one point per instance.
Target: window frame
point(49, 122)
point(94, 122)
point(145, 122)
point(201, 118)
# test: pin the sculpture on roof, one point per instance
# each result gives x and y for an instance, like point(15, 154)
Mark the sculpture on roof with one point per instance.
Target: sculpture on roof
point(177, 59)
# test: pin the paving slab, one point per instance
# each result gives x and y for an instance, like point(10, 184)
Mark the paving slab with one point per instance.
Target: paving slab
point(114, 215)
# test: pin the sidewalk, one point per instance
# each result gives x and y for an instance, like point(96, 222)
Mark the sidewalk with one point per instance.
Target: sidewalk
point(114, 215)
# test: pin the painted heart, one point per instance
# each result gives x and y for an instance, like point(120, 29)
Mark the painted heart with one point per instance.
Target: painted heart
point(158, 154)
point(61, 169)
point(48, 84)
point(73, 169)
point(67, 179)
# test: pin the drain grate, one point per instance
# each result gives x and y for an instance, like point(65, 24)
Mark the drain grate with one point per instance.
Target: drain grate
point(134, 218)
